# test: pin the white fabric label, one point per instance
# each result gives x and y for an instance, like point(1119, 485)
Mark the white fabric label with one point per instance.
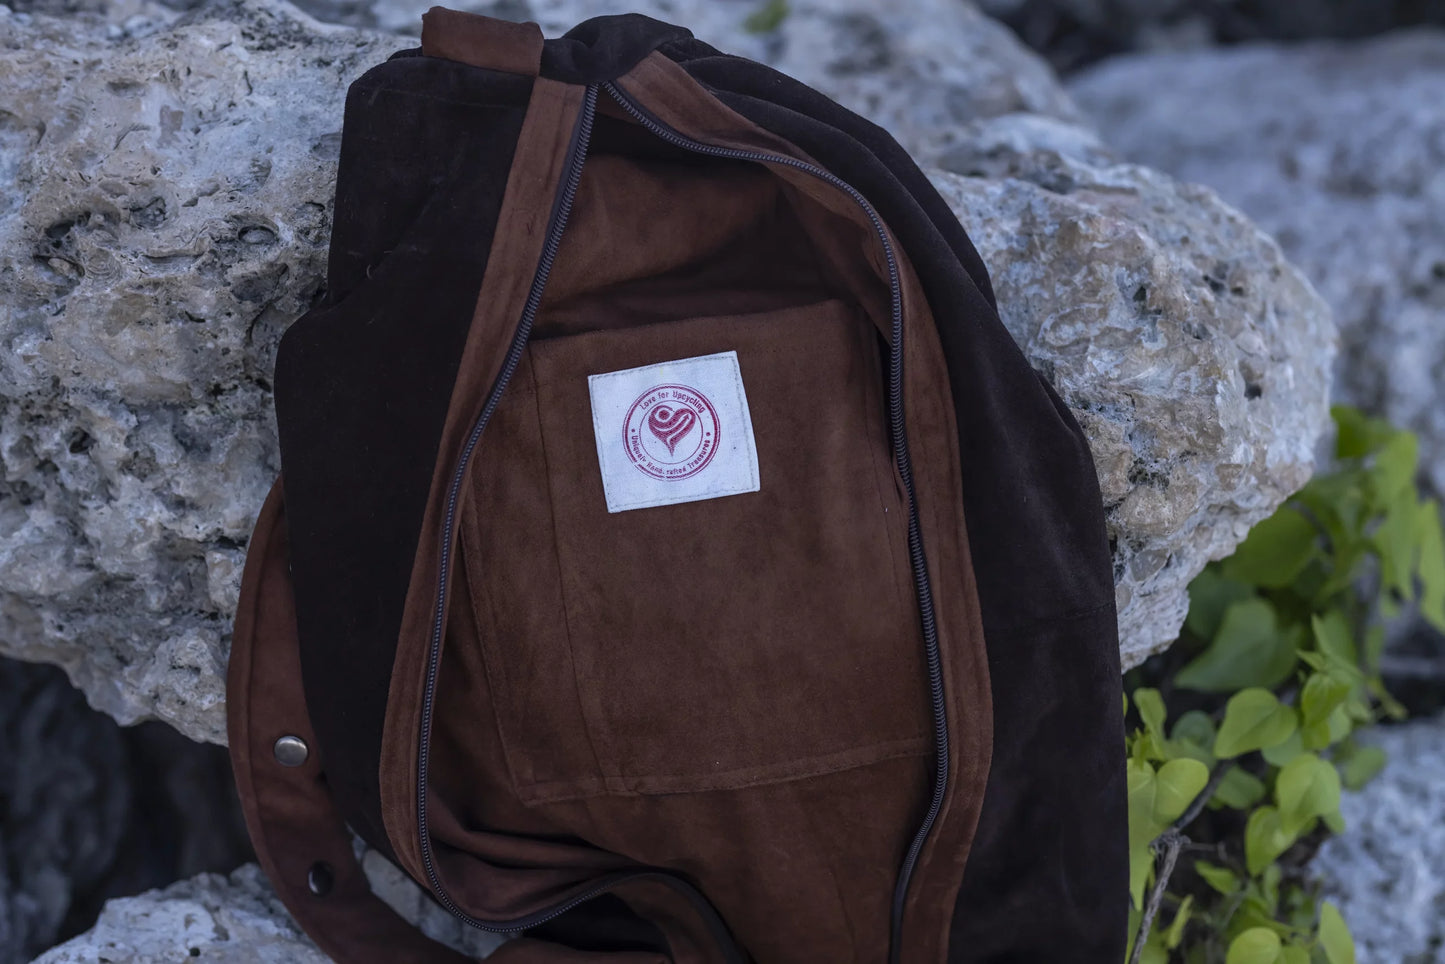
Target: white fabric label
point(675, 432)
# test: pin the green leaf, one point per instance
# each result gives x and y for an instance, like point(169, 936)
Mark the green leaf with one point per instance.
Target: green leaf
point(1334, 935)
point(1284, 752)
point(1362, 765)
point(1264, 839)
point(1142, 783)
point(1175, 935)
point(1248, 650)
point(1432, 565)
point(1258, 945)
point(1239, 789)
point(1222, 879)
point(1154, 950)
point(1275, 551)
point(1293, 954)
point(1307, 788)
point(1141, 862)
point(1253, 719)
point(1316, 736)
point(1178, 782)
point(1333, 637)
point(1321, 695)
point(1151, 710)
point(1193, 736)
point(1340, 724)
point(768, 17)
point(1396, 541)
point(1210, 594)
point(1394, 467)
point(1374, 648)
point(1358, 434)
point(1338, 502)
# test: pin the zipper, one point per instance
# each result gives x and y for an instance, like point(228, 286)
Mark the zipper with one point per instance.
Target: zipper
point(557, 222)
point(899, 437)
point(577, 152)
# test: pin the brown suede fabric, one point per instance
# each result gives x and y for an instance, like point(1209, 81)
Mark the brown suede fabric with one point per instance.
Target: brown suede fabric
point(514, 48)
point(292, 822)
point(652, 683)
point(526, 206)
point(734, 691)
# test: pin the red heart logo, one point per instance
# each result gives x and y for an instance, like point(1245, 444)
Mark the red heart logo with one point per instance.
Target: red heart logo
point(671, 425)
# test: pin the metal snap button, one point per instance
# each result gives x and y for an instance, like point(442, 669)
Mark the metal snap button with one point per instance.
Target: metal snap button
point(320, 879)
point(291, 751)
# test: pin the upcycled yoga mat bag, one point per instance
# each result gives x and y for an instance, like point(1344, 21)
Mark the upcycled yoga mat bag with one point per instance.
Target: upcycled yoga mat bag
point(674, 558)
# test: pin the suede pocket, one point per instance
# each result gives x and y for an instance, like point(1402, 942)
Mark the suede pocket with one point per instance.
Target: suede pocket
point(716, 644)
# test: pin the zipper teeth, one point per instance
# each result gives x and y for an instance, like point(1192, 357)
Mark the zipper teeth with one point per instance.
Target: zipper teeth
point(905, 471)
point(558, 221)
point(900, 444)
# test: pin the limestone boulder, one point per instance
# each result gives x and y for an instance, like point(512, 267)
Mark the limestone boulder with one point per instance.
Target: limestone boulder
point(1194, 355)
point(169, 217)
point(175, 176)
point(1338, 150)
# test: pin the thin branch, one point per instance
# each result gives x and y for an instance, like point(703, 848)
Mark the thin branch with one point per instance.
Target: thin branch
point(1196, 806)
point(1170, 842)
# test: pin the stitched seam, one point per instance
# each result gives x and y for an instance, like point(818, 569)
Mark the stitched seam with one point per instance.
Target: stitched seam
point(741, 778)
point(1039, 625)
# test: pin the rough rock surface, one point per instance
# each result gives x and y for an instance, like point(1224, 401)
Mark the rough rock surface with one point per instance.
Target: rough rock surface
point(234, 919)
point(175, 183)
point(64, 799)
point(1387, 873)
point(238, 919)
point(1337, 150)
point(1195, 357)
point(921, 68)
point(170, 217)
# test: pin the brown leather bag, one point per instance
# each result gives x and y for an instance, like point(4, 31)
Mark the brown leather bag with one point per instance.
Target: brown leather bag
point(674, 558)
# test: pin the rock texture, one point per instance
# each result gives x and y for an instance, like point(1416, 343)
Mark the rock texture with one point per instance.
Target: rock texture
point(1339, 151)
point(64, 800)
point(1387, 873)
point(172, 215)
point(1195, 357)
point(238, 919)
point(222, 920)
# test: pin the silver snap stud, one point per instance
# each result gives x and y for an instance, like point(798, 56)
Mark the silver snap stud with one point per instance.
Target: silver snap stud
point(320, 879)
point(291, 751)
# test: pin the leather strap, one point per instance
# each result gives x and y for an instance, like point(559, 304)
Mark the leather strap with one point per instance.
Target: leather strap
point(470, 38)
point(300, 838)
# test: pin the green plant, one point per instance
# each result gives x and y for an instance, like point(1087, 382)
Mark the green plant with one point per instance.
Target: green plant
point(768, 17)
point(1245, 730)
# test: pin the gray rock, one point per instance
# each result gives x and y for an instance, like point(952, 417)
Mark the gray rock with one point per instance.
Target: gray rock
point(921, 68)
point(1387, 871)
point(1339, 151)
point(234, 919)
point(64, 801)
point(1195, 357)
point(405, 897)
point(238, 919)
point(170, 218)
point(175, 182)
